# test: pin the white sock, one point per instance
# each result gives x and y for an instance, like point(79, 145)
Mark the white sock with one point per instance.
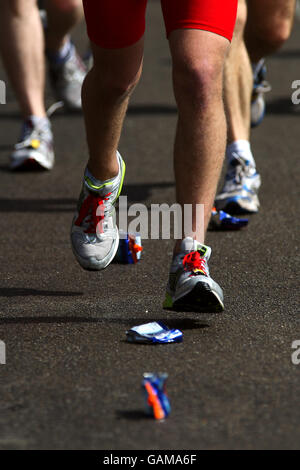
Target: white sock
point(242, 148)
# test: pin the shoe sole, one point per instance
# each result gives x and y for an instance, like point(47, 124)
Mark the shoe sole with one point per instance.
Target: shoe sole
point(32, 161)
point(201, 299)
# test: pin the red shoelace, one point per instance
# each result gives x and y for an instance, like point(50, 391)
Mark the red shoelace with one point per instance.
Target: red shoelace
point(90, 207)
point(193, 262)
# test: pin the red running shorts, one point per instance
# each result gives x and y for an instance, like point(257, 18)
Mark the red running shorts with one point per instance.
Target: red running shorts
point(114, 24)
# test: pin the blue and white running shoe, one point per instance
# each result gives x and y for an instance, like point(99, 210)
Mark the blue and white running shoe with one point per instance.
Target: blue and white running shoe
point(239, 194)
point(260, 87)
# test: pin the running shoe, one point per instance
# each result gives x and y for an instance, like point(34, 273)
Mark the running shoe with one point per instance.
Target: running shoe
point(190, 287)
point(260, 87)
point(239, 194)
point(94, 233)
point(67, 78)
point(35, 148)
point(220, 220)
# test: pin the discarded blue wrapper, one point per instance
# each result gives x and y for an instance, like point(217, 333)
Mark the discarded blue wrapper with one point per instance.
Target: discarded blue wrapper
point(220, 220)
point(130, 248)
point(156, 398)
point(154, 332)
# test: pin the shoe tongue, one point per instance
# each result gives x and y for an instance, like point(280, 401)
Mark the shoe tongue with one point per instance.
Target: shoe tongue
point(188, 245)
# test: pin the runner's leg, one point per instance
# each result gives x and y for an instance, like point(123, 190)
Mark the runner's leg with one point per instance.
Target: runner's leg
point(62, 16)
point(22, 49)
point(199, 43)
point(116, 31)
point(199, 35)
point(105, 96)
point(268, 27)
point(238, 82)
point(198, 59)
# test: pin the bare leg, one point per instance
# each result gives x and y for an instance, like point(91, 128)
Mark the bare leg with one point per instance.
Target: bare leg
point(238, 82)
point(22, 49)
point(61, 18)
point(269, 26)
point(198, 58)
point(105, 97)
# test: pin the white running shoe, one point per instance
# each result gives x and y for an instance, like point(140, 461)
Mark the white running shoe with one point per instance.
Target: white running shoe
point(239, 194)
point(35, 148)
point(94, 233)
point(190, 287)
point(67, 79)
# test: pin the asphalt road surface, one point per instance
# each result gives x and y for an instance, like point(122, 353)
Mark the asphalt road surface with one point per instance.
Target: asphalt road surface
point(70, 380)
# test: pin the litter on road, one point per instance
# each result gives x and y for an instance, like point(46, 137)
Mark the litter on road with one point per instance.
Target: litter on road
point(130, 248)
point(157, 400)
point(154, 332)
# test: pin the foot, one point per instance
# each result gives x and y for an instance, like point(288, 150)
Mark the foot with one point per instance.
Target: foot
point(67, 79)
point(35, 148)
point(239, 194)
point(190, 287)
point(260, 87)
point(94, 233)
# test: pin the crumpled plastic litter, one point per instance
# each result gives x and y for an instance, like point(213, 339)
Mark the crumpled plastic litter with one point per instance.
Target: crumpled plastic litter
point(153, 333)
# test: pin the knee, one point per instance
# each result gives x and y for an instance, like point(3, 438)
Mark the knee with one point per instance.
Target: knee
point(198, 83)
point(278, 34)
point(115, 85)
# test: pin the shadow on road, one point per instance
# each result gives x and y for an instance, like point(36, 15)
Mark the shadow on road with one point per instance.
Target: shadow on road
point(133, 415)
point(150, 109)
point(134, 193)
point(288, 54)
point(184, 324)
point(134, 109)
point(38, 205)
point(143, 191)
point(19, 291)
point(283, 106)
point(41, 320)
point(180, 323)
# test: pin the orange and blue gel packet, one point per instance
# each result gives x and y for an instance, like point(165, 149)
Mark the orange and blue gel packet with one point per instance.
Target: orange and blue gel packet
point(130, 248)
point(156, 399)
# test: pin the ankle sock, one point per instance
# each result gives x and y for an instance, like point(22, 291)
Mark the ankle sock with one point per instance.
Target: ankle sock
point(93, 183)
point(242, 148)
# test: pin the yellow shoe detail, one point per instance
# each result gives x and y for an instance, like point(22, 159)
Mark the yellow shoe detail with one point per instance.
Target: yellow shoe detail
point(199, 271)
point(35, 143)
